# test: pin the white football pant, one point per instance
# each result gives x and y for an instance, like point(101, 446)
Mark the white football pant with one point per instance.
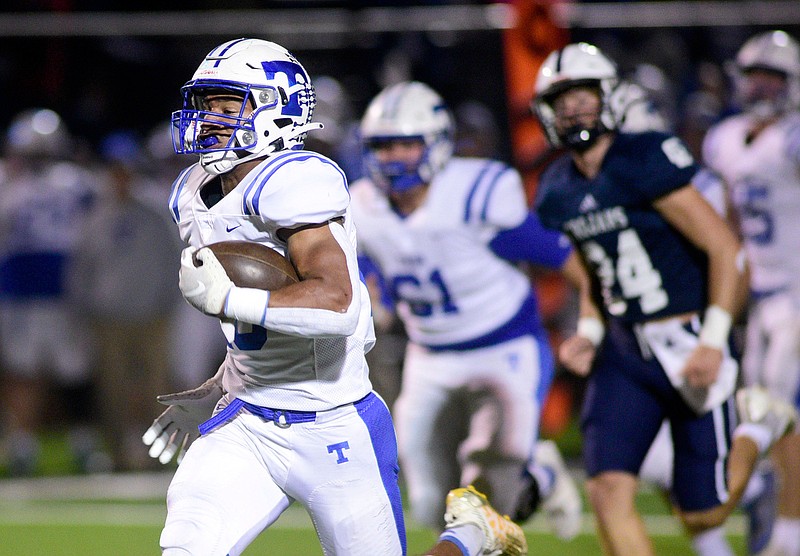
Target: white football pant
point(467, 415)
point(772, 350)
point(238, 479)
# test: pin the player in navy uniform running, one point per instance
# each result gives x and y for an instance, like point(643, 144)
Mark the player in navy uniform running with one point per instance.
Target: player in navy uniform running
point(668, 275)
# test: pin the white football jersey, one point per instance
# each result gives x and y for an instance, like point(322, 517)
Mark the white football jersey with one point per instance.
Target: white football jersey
point(42, 212)
point(763, 174)
point(287, 190)
point(44, 207)
point(451, 287)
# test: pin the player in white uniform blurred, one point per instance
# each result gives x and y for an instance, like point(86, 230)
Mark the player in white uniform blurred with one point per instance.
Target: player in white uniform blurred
point(758, 154)
point(298, 420)
point(44, 201)
point(445, 233)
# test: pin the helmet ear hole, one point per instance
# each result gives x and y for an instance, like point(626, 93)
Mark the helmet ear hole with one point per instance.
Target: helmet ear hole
point(267, 97)
point(284, 96)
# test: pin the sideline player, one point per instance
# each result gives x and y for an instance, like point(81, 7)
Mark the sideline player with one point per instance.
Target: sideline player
point(298, 420)
point(668, 276)
point(758, 154)
point(45, 342)
point(446, 234)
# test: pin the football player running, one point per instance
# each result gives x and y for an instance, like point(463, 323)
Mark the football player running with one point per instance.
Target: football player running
point(668, 275)
point(298, 420)
point(636, 113)
point(446, 234)
point(758, 154)
point(283, 428)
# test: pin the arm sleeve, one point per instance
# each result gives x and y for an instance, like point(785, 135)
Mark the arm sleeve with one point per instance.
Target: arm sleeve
point(793, 144)
point(532, 242)
point(505, 205)
point(711, 186)
point(368, 268)
point(710, 148)
point(251, 305)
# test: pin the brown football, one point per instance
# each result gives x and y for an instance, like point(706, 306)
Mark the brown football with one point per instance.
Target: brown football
point(252, 265)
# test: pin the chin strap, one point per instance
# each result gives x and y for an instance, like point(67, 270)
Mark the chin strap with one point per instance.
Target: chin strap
point(580, 138)
point(230, 160)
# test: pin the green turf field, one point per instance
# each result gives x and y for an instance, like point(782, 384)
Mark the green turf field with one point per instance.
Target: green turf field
point(122, 516)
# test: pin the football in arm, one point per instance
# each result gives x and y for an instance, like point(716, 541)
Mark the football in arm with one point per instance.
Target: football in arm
point(252, 265)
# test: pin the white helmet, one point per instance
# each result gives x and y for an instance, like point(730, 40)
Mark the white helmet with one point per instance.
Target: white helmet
point(265, 74)
point(38, 132)
point(408, 110)
point(774, 51)
point(577, 64)
point(637, 112)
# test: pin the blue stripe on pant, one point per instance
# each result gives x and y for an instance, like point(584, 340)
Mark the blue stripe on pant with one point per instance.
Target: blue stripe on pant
point(375, 414)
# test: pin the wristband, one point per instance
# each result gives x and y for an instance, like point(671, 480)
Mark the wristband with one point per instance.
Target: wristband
point(716, 327)
point(247, 305)
point(592, 329)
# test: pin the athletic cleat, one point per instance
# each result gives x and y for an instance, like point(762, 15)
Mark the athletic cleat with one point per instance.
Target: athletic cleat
point(755, 405)
point(762, 512)
point(563, 507)
point(502, 537)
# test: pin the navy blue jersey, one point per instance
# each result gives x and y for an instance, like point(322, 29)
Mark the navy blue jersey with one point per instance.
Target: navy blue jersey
point(644, 268)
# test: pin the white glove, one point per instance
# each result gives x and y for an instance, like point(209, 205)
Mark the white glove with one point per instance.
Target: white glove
point(205, 287)
point(176, 427)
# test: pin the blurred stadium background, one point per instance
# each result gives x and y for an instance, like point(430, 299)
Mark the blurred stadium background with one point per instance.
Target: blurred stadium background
point(110, 66)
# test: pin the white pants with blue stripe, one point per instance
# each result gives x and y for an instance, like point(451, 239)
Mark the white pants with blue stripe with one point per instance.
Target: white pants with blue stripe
point(238, 479)
point(469, 417)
